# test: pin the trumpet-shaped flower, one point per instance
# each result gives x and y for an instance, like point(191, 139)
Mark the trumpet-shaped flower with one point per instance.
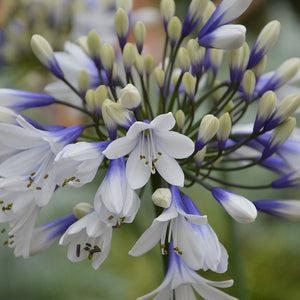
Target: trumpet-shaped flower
point(115, 201)
point(193, 239)
point(181, 281)
point(153, 147)
point(90, 238)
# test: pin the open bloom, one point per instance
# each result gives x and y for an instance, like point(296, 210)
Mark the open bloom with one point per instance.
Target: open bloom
point(153, 147)
point(181, 280)
point(193, 239)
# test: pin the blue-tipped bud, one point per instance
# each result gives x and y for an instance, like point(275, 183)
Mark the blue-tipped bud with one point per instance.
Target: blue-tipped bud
point(287, 181)
point(122, 26)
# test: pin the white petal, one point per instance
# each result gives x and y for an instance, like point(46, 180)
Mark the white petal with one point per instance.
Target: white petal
point(175, 144)
point(120, 147)
point(170, 170)
point(137, 172)
point(163, 122)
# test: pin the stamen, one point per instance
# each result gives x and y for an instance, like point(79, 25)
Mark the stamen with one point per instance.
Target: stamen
point(5, 243)
point(32, 174)
point(3, 230)
point(123, 219)
point(110, 218)
point(86, 248)
point(88, 244)
point(159, 153)
point(46, 176)
point(38, 188)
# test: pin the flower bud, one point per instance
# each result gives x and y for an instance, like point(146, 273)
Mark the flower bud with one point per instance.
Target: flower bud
point(139, 64)
point(43, 51)
point(207, 129)
point(287, 209)
point(238, 207)
point(174, 79)
point(83, 81)
point(130, 97)
point(238, 60)
point(90, 100)
point(180, 119)
point(100, 95)
point(82, 209)
point(196, 54)
point(265, 41)
point(285, 109)
point(167, 9)
point(229, 108)
point(139, 35)
point(159, 76)
point(224, 130)
point(215, 59)
point(94, 45)
point(287, 181)
point(266, 106)
point(199, 157)
point(162, 197)
point(122, 26)
point(189, 84)
point(183, 59)
point(260, 67)
point(280, 134)
point(107, 55)
point(249, 83)
point(129, 54)
point(209, 10)
point(174, 30)
point(149, 64)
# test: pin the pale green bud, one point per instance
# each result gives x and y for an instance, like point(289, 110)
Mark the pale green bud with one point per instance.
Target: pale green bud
point(224, 130)
point(249, 82)
point(209, 10)
point(199, 157)
point(229, 107)
point(287, 107)
point(183, 59)
point(149, 64)
point(130, 97)
point(174, 79)
point(162, 197)
point(167, 9)
point(189, 84)
point(107, 55)
point(180, 119)
point(90, 100)
point(139, 64)
point(82, 209)
point(216, 95)
point(207, 129)
point(140, 35)
point(94, 44)
point(174, 30)
point(288, 70)
point(121, 23)
point(125, 4)
point(196, 52)
point(238, 60)
point(129, 54)
point(260, 67)
point(159, 76)
point(82, 43)
point(216, 57)
point(83, 80)
point(101, 94)
point(115, 71)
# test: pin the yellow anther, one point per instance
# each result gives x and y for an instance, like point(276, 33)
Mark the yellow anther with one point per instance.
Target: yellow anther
point(5, 243)
point(3, 208)
point(153, 168)
point(72, 178)
point(88, 244)
point(3, 230)
point(165, 252)
point(11, 242)
point(86, 248)
point(46, 176)
point(147, 132)
point(147, 162)
point(179, 252)
point(38, 188)
point(77, 180)
point(90, 256)
point(110, 218)
point(163, 246)
point(159, 153)
point(11, 237)
point(176, 249)
point(32, 174)
point(122, 219)
point(1, 202)
point(155, 160)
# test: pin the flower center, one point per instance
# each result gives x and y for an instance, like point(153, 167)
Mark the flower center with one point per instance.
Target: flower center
point(148, 151)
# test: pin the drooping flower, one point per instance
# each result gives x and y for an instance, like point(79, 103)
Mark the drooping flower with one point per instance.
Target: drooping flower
point(181, 281)
point(153, 147)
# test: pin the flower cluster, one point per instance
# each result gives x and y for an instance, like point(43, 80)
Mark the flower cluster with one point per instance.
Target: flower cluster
point(167, 126)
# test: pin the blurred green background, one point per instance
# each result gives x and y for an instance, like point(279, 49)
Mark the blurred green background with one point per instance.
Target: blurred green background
point(264, 256)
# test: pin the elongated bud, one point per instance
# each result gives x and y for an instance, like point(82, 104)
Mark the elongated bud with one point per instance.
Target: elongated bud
point(260, 67)
point(249, 83)
point(229, 108)
point(159, 77)
point(287, 209)
point(280, 134)
point(189, 84)
point(214, 59)
point(224, 130)
point(82, 209)
point(238, 60)
point(266, 106)
point(216, 95)
point(94, 45)
point(174, 30)
point(130, 97)
point(140, 35)
point(183, 59)
point(43, 51)
point(129, 54)
point(149, 64)
point(207, 129)
point(287, 181)
point(122, 26)
point(139, 64)
point(285, 109)
point(174, 79)
point(101, 94)
point(265, 41)
point(197, 54)
point(167, 9)
point(180, 119)
point(199, 157)
point(238, 207)
point(107, 56)
point(162, 197)
point(209, 10)
point(83, 81)
point(90, 100)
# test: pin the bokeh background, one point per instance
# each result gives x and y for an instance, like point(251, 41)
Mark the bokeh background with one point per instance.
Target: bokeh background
point(264, 256)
